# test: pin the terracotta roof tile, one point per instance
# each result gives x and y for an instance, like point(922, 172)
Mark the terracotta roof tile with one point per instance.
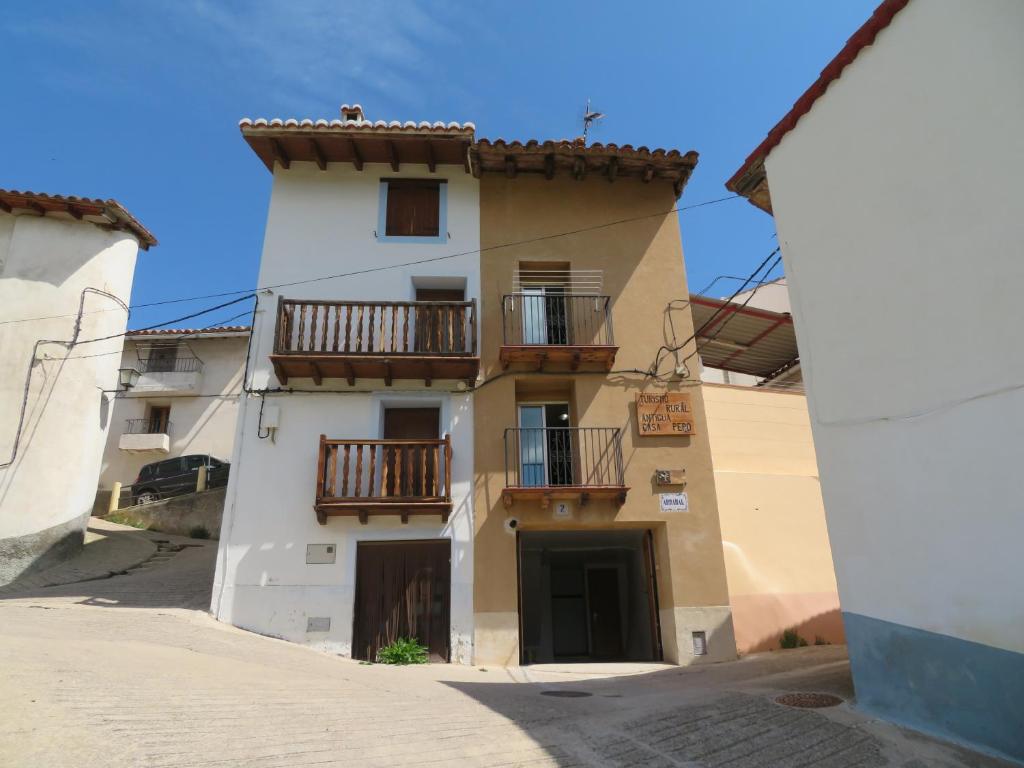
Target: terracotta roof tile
point(366, 126)
point(190, 331)
point(109, 212)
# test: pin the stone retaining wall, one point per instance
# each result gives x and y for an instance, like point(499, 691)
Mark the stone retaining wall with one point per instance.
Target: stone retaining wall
point(178, 515)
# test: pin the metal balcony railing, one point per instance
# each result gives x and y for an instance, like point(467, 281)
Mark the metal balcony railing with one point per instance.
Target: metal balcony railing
point(176, 365)
point(552, 319)
point(147, 426)
point(560, 457)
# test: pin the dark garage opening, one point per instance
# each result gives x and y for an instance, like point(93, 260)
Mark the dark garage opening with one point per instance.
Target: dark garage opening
point(587, 596)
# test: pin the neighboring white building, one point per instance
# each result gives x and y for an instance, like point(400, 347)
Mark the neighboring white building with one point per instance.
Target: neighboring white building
point(895, 185)
point(66, 268)
point(185, 401)
point(356, 361)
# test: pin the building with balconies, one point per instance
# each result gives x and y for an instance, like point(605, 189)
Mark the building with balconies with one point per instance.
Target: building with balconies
point(348, 520)
point(184, 400)
point(597, 532)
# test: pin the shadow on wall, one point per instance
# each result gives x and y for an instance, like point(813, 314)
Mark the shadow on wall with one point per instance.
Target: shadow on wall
point(766, 635)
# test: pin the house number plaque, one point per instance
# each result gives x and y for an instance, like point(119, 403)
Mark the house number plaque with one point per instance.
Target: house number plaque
point(664, 413)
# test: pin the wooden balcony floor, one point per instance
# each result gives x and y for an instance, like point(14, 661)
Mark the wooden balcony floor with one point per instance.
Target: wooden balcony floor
point(396, 506)
point(545, 357)
point(545, 494)
point(352, 367)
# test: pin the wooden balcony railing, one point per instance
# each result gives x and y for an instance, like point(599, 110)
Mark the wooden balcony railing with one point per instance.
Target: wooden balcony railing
point(551, 330)
point(563, 462)
point(376, 339)
point(391, 477)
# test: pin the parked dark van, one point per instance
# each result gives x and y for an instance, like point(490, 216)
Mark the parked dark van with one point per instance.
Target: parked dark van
point(174, 477)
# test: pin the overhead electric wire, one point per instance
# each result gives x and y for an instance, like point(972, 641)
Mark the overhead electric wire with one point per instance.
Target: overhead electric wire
point(675, 347)
point(568, 233)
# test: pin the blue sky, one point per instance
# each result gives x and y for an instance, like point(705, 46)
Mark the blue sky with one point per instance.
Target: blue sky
point(140, 101)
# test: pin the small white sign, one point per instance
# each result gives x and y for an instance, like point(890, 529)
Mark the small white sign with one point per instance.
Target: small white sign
point(562, 509)
point(674, 502)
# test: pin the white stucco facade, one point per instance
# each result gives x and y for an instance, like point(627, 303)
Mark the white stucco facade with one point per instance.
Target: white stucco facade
point(897, 202)
point(202, 395)
point(323, 223)
point(54, 416)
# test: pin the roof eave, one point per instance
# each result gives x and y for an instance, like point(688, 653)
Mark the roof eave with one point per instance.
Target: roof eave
point(744, 180)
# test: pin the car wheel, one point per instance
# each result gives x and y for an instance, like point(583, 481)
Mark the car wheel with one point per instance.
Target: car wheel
point(147, 497)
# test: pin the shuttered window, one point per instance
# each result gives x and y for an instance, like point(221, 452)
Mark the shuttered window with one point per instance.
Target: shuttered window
point(413, 208)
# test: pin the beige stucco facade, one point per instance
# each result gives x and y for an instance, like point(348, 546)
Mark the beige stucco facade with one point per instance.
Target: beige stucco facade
point(777, 554)
point(643, 272)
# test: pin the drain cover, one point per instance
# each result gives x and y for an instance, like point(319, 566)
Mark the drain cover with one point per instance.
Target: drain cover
point(808, 700)
point(566, 694)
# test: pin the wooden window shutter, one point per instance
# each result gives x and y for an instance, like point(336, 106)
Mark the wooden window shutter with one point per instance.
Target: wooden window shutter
point(414, 208)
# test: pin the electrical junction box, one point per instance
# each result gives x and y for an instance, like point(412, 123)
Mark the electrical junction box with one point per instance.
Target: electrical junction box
point(670, 476)
point(321, 554)
point(318, 623)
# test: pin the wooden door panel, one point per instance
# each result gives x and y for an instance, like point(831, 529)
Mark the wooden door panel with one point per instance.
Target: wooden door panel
point(403, 589)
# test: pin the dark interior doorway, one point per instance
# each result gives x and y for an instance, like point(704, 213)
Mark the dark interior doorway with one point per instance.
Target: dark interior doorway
point(403, 589)
point(409, 471)
point(605, 614)
point(587, 596)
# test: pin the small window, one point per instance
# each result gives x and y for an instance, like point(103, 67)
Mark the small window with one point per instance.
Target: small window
point(159, 419)
point(413, 208)
point(169, 468)
point(146, 473)
point(194, 462)
point(162, 358)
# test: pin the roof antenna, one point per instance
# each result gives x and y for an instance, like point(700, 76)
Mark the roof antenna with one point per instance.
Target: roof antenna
point(589, 117)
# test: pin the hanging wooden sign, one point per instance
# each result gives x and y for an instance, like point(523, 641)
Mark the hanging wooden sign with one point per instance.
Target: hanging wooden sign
point(664, 413)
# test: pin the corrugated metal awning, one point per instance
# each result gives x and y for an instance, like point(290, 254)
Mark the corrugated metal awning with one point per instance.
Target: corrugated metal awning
point(742, 339)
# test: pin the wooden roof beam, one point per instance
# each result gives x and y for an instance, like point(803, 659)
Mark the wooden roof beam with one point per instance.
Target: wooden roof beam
point(613, 168)
point(393, 155)
point(279, 154)
point(74, 212)
point(549, 166)
point(5, 207)
point(318, 155)
point(510, 166)
point(357, 159)
point(579, 168)
point(648, 173)
point(32, 205)
point(431, 159)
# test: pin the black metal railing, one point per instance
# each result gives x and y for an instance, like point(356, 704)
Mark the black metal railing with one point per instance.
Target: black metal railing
point(147, 426)
point(556, 319)
point(563, 456)
point(168, 365)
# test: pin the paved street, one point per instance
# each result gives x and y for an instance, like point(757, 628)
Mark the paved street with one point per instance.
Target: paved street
point(130, 671)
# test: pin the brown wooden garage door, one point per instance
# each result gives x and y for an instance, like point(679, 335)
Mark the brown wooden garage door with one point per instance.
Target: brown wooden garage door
point(403, 589)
